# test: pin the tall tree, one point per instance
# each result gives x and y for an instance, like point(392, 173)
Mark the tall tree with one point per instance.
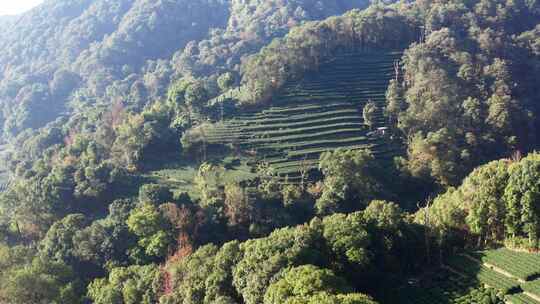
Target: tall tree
point(369, 113)
point(522, 197)
point(350, 179)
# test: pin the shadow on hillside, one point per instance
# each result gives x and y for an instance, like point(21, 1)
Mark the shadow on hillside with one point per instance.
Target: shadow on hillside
point(455, 282)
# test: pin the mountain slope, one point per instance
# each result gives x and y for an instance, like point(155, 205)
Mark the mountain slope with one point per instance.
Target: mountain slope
point(321, 112)
point(149, 172)
point(82, 47)
point(70, 54)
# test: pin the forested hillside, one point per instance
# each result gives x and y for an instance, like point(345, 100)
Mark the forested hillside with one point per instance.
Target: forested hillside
point(270, 151)
point(68, 55)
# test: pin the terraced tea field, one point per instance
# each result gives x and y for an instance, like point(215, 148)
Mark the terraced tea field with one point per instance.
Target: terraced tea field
point(532, 287)
point(483, 274)
point(491, 276)
point(520, 298)
point(321, 112)
point(524, 266)
point(447, 287)
point(513, 274)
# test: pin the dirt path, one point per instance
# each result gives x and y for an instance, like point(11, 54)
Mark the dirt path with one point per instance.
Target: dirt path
point(521, 250)
point(532, 295)
point(459, 273)
point(455, 271)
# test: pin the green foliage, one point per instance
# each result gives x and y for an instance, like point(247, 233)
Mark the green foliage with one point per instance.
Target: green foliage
point(263, 258)
point(125, 285)
point(105, 242)
point(433, 155)
point(496, 203)
point(176, 95)
point(31, 100)
point(155, 194)
point(480, 193)
point(522, 195)
point(522, 265)
point(394, 101)
point(476, 204)
point(531, 39)
point(153, 229)
point(99, 53)
point(292, 195)
point(309, 116)
point(204, 277)
point(42, 281)
point(350, 176)
point(193, 273)
point(14, 256)
point(60, 244)
point(27, 210)
point(483, 274)
point(269, 269)
point(310, 284)
point(457, 115)
point(369, 113)
point(186, 98)
point(225, 81)
point(139, 136)
point(348, 238)
point(306, 47)
point(237, 206)
point(458, 99)
point(253, 24)
point(520, 298)
point(384, 215)
point(448, 287)
point(209, 181)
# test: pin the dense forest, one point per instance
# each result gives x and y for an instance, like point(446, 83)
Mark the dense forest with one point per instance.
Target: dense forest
point(269, 151)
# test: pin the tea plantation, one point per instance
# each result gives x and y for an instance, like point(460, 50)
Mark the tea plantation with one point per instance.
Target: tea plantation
point(321, 112)
point(482, 277)
point(447, 287)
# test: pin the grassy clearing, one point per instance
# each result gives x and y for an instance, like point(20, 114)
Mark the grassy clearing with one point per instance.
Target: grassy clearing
point(179, 176)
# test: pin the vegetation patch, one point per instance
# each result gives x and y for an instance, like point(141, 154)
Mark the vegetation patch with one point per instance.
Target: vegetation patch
point(449, 288)
point(319, 113)
point(519, 264)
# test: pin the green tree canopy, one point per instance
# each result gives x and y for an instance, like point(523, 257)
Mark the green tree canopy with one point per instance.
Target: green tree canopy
point(125, 285)
point(350, 177)
point(522, 197)
point(310, 284)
